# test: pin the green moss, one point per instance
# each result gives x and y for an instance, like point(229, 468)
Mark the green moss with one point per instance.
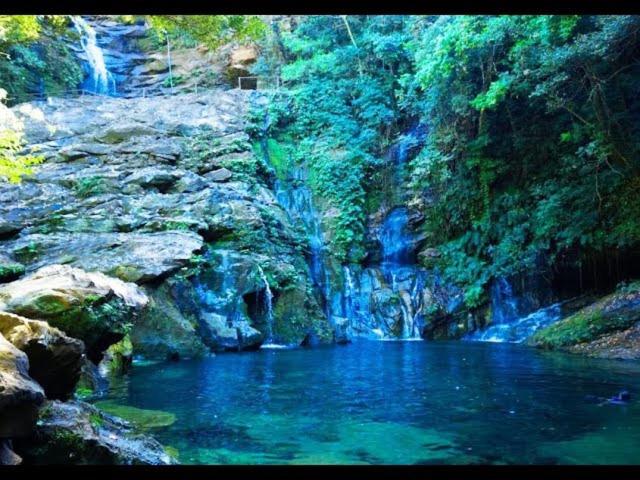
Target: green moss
point(172, 451)
point(28, 253)
point(140, 418)
point(11, 271)
point(613, 313)
point(89, 186)
point(91, 319)
point(96, 420)
point(83, 392)
point(120, 355)
point(277, 154)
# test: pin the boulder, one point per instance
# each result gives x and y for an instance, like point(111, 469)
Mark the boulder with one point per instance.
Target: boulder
point(79, 434)
point(219, 175)
point(221, 335)
point(132, 257)
point(90, 306)
point(608, 328)
point(20, 395)
point(155, 177)
point(163, 331)
point(55, 360)
point(341, 330)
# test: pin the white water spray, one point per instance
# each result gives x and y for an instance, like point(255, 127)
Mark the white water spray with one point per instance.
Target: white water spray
point(269, 307)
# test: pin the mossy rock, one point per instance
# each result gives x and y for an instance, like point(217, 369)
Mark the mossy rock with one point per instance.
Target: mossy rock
point(141, 418)
point(11, 271)
point(613, 313)
point(296, 315)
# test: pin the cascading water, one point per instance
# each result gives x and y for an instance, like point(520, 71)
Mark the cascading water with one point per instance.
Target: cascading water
point(515, 317)
point(295, 197)
point(268, 303)
point(100, 79)
point(518, 330)
point(505, 306)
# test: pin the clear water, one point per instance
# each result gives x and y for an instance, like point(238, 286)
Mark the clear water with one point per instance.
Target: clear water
point(393, 403)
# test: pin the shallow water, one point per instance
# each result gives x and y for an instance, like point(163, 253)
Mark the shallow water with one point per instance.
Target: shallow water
point(393, 403)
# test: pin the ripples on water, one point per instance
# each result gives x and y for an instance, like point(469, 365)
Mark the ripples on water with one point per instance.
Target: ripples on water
point(394, 403)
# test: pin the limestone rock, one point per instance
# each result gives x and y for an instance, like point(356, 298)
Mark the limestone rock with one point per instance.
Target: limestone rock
point(163, 331)
point(55, 360)
point(20, 396)
point(607, 328)
point(221, 335)
point(220, 175)
point(134, 257)
point(78, 433)
point(88, 306)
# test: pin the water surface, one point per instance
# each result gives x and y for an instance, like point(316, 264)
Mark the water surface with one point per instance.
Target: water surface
point(393, 403)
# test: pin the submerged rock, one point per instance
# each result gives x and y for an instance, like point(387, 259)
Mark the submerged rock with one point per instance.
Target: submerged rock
point(55, 360)
point(142, 419)
point(20, 396)
point(89, 306)
point(220, 334)
point(78, 433)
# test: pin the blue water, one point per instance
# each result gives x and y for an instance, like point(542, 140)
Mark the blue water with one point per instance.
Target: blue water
point(393, 403)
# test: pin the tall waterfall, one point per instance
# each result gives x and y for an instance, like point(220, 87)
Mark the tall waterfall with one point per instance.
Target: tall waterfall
point(100, 79)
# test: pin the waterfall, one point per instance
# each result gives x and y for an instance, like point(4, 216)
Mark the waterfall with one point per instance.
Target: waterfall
point(100, 79)
point(349, 293)
point(518, 330)
point(504, 304)
point(294, 196)
point(268, 305)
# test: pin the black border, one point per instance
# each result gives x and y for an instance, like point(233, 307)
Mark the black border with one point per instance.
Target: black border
point(317, 7)
point(328, 472)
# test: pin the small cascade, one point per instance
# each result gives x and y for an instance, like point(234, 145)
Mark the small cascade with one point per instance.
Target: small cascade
point(505, 306)
point(395, 240)
point(296, 199)
point(349, 293)
point(100, 79)
point(268, 306)
point(518, 330)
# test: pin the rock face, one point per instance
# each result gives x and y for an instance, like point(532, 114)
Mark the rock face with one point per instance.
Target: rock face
point(88, 306)
point(20, 396)
point(608, 328)
point(240, 60)
point(78, 433)
point(132, 257)
point(55, 360)
point(162, 192)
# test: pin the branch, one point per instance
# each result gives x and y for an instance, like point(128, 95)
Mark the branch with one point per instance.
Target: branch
point(353, 41)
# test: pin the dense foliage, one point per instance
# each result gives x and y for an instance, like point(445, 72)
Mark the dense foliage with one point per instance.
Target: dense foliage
point(211, 30)
point(34, 58)
point(13, 162)
point(338, 111)
point(532, 123)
